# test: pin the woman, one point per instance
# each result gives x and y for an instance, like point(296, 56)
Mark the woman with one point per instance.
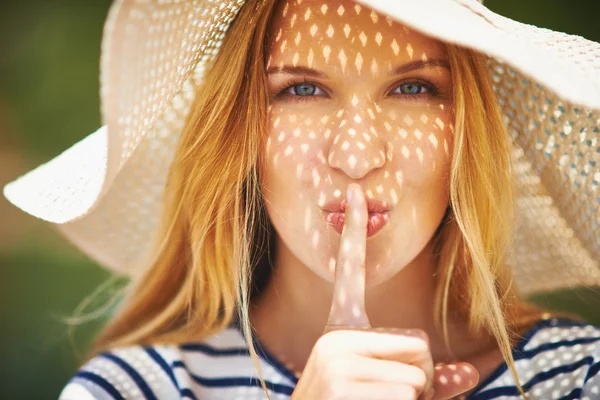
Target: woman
point(338, 209)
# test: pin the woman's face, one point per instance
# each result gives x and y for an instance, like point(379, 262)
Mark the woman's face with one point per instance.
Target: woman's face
point(358, 98)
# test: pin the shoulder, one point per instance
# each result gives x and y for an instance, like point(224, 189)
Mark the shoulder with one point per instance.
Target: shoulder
point(136, 372)
point(218, 366)
point(557, 358)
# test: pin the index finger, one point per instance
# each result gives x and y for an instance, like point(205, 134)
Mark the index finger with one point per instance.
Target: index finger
point(348, 303)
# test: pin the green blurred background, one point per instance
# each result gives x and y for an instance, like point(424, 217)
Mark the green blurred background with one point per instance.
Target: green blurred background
point(49, 100)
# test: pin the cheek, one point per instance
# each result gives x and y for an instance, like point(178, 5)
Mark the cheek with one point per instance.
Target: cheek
point(295, 148)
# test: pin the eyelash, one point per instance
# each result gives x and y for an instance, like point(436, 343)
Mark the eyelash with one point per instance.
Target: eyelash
point(432, 90)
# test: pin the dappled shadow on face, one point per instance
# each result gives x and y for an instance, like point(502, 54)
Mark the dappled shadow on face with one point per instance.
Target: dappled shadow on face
point(355, 97)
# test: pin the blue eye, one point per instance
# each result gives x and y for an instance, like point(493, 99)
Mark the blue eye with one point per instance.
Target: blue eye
point(411, 88)
point(304, 90)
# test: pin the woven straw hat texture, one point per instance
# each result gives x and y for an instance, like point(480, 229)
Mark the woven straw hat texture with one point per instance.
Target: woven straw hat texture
point(104, 192)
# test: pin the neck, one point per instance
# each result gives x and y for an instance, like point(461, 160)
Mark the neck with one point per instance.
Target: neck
point(290, 314)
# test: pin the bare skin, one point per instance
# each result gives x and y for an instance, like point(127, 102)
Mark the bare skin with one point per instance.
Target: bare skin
point(358, 125)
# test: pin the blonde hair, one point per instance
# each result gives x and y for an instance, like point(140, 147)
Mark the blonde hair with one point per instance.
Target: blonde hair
point(214, 238)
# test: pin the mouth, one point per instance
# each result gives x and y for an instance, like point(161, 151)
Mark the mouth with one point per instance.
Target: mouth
point(333, 212)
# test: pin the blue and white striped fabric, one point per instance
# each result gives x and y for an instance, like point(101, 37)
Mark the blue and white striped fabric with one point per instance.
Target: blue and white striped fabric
point(557, 359)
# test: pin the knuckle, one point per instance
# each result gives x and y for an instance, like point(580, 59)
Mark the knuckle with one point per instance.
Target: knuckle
point(420, 380)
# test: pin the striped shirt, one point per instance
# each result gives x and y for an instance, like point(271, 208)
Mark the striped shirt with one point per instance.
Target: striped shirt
point(556, 359)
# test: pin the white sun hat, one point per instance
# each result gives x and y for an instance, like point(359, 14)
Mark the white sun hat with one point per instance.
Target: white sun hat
point(104, 193)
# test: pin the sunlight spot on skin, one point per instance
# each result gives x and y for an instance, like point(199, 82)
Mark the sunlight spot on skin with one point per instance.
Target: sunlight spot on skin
point(369, 194)
point(337, 193)
point(363, 38)
point(312, 135)
point(332, 265)
point(327, 133)
point(340, 113)
point(276, 123)
point(315, 238)
point(360, 145)
point(389, 21)
point(346, 246)
point(310, 58)
point(357, 9)
point(299, 170)
point(418, 134)
point(366, 164)
point(366, 136)
point(420, 155)
point(307, 14)
point(285, 9)
point(378, 38)
point(446, 148)
point(371, 113)
point(304, 147)
point(439, 123)
point(347, 30)
point(343, 60)
point(387, 125)
point(373, 131)
point(321, 157)
point(374, 68)
point(275, 159)
point(424, 118)
point(292, 118)
point(295, 59)
point(386, 174)
point(330, 31)
point(298, 38)
point(324, 9)
point(379, 189)
point(382, 154)
point(297, 132)
point(340, 11)
point(352, 161)
point(316, 177)
point(283, 45)
point(354, 100)
point(352, 132)
point(326, 52)
point(408, 120)
point(288, 150)
point(268, 145)
point(390, 151)
point(377, 108)
point(356, 311)
point(336, 138)
point(409, 50)
point(374, 17)
point(393, 115)
point(345, 145)
point(357, 119)
point(443, 380)
point(307, 218)
point(395, 47)
point(400, 177)
point(269, 66)
point(442, 107)
point(433, 140)
point(293, 21)
point(424, 57)
point(358, 63)
point(405, 152)
point(278, 35)
point(324, 119)
point(394, 197)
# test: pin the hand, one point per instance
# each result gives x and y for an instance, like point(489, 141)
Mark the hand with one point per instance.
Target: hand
point(354, 361)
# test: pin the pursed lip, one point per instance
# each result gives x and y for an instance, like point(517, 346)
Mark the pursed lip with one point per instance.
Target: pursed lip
point(334, 213)
point(373, 206)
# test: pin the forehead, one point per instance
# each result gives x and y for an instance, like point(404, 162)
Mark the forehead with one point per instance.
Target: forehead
point(337, 32)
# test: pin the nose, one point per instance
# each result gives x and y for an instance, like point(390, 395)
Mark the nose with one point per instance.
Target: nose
point(356, 147)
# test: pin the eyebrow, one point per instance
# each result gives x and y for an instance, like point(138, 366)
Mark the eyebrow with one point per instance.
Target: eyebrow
point(402, 69)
